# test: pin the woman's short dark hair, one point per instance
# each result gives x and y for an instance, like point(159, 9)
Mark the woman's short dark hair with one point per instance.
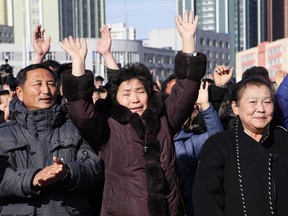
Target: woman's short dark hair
point(238, 88)
point(22, 74)
point(131, 71)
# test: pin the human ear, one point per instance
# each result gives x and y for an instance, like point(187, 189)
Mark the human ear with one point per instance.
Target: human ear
point(19, 92)
point(234, 107)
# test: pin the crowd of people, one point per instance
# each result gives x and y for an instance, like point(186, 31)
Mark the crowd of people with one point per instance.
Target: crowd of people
point(71, 144)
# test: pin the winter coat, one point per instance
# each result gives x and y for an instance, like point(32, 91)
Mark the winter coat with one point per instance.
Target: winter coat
point(188, 147)
point(28, 144)
point(281, 104)
point(240, 176)
point(138, 154)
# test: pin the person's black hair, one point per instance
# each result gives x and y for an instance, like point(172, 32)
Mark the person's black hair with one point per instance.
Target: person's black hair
point(256, 71)
point(166, 81)
point(99, 78)
point(4, 92)
point(7, 68)
point(131, 71)
point(238, 88)
point(51, 63)
point(12, 83)
point(22, 75)
point(61, 69)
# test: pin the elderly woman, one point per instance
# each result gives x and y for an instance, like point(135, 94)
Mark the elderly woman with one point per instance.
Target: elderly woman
point(136, 145)
point(244, 171)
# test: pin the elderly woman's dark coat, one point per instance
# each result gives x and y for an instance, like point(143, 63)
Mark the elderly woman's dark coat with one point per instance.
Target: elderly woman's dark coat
point(239, 176)
point(138, 152)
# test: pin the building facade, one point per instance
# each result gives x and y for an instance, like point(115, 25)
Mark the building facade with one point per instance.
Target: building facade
point(215, 45)
point(60, 18)
point(124, 51)
point(271, 55)
point(6, 34)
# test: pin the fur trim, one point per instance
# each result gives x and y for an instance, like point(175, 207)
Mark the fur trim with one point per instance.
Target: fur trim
point(193, 68)
point(157, 205)
point(75, 88)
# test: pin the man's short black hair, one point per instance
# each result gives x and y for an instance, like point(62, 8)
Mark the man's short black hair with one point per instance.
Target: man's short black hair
point(51, 63)
point(4, 92)
point(99, 78)
point(166, 81)
point(22, 75)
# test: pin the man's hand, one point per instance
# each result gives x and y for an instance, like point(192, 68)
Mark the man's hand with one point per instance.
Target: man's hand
point(41, 47)
point(222, 75)
point(50, 174)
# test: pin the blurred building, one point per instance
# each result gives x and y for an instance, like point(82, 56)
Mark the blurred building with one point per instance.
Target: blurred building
point(271, 55)
point(215, 45)
point(277, 19)
point(6, 34)
point(124, 51)
point(60, 18)
point(248, 22)
point(120, 31)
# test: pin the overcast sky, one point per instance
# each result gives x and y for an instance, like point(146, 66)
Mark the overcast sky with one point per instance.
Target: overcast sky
point(143, 15)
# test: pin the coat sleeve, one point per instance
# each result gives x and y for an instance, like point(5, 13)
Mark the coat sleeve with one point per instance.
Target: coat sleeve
point(92, 124)
point(281, 104)
point(85, 172)
point(15, 182)
point(189, 72)
point(208, 191)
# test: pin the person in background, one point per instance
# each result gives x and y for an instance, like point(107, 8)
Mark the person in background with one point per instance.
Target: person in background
point(98, 82)
point(188, 143)
point(243, 171)
point(168, 84)
point(52, 64)
point(5, 98)
point(47, 168)
point(137, 150)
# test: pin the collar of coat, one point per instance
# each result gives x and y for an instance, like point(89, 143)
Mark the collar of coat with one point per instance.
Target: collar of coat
point(123, 114)
point(39, 120)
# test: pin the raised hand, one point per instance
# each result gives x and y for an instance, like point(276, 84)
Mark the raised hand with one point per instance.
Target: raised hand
point(40, 45)
point(203, 96)
point(279, 77)
point(104, 48)
point(187, 28)
point(104, 45)
point(222, 75)
point(77, 51)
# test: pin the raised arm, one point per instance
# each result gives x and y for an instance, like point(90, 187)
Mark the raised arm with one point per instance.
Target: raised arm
point(187, 28)
point(77, 51)
point(189, 69)
point(104, 48)
point(40, 45)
